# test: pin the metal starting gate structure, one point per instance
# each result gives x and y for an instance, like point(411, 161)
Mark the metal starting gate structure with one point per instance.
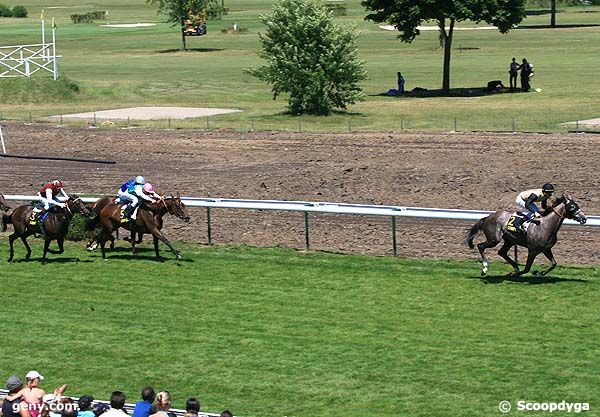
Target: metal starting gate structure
point(26, 60)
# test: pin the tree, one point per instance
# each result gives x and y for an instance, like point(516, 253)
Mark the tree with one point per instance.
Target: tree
point(309, 57)
point(407, 15)
point(178, 11)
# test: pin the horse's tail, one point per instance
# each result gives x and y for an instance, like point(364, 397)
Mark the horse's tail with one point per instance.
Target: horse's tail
point(92, 222)
point(6, 219)
point(474, 232)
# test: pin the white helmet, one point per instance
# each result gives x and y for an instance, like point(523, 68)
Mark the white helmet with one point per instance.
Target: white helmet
point(140, 180)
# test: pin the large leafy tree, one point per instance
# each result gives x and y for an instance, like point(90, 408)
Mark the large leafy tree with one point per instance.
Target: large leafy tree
point(407, 15)
point(310, 57)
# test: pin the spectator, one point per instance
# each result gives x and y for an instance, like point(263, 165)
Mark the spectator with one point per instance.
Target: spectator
point(526, 71)
point(117, 402)
point(226, 413)
point(142, 408)
point(52, 400)
point(9, 407)
point(192, 407)
point(85, 406)
point(69, 408)
point(100, 408)
point(513, 70)
point(401, 82)
point(162, 404)
point(33, 395)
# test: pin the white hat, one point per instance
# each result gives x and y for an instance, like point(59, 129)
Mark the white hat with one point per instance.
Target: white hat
point(34, 375)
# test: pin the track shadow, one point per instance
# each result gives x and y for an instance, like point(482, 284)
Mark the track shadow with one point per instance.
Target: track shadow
point(149, 257)
point(172, 51)
point(419, 92)
point(528, 279)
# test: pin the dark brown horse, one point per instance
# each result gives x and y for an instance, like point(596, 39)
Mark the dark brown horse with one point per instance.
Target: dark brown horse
point(55, 226)
point(94, 221)
point(149, 220)
point(3, 205)
point(540, 237)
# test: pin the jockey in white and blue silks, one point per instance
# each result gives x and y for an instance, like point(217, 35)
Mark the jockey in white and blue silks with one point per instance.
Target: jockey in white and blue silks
point(527, 200)
point(132, 191)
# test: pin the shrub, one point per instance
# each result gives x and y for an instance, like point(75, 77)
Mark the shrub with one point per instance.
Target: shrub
point(19, 11)
point(5, 11)
point(77, 230)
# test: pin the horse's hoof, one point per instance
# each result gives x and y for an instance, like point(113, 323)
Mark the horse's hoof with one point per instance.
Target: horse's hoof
point(483, 273)
point(537, 274)
point(178, 256)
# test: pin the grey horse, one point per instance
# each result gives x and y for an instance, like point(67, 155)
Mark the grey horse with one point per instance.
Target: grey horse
point(540, 237)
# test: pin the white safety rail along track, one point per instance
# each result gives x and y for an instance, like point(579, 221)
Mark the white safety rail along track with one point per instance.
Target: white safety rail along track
point(335, 208)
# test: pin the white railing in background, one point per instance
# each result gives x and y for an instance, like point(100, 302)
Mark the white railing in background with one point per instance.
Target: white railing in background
point(307, 207)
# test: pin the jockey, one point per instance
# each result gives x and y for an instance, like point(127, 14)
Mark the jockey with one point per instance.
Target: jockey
point(527, 200)
point(131, 192)
point(49, 193)
point(149, 190)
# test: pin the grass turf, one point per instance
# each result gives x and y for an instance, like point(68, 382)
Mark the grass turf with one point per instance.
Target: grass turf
point(122, 67)
point(277, 332)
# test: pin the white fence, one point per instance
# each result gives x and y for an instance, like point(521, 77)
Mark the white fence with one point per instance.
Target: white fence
point(307, 207)
point(26, 60)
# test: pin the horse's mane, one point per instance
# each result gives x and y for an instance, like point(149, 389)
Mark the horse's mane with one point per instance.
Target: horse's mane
point(555, 202)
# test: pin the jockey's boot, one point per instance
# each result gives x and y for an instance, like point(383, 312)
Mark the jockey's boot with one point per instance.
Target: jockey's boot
point(134, 215)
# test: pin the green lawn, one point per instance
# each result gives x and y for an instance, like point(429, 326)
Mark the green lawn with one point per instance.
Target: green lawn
point(277, 332)
point(119, 67)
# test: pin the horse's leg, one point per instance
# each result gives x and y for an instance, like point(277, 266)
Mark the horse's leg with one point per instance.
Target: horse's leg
point(140, 237)
point(133, 242)
point(61, 245)
point(156, 247)
point(46, 246)
point(503, 252)
point(550, 256)
point(158, 235)
point(482, 247)
point(11, 240)
point(530, 258)
point(24, 240)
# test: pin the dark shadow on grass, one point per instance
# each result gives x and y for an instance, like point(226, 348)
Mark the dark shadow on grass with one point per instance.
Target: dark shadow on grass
point(138, 257)
point(171, 51)
point(528, 279)
point(53, 260)
point(569, 26)
point(425, 93)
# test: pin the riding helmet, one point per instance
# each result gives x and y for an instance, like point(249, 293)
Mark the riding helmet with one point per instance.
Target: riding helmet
point(57, 183)
point(140, 180)
point(548, 187)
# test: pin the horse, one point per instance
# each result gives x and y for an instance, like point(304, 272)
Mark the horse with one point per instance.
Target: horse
point(54, 227)
point(3, 205)
point(540, 236)
point(149, 220)
point(94, 221)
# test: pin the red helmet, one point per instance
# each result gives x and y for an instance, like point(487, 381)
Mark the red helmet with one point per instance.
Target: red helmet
point(57, 184)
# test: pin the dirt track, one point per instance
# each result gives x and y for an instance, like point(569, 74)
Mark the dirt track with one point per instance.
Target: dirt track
point(462, 170)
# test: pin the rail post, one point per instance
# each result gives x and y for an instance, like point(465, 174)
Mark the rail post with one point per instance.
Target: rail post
point(209, 229)
point(394, 243)
point(306, 231)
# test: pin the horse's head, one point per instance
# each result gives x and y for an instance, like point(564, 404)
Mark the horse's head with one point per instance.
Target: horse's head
point(3, 205)
point(176, 207)
point(572, 210)
point(76, 205)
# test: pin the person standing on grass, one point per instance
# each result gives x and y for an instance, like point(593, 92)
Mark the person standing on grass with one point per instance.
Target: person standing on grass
point(513, 70)
point(401, 82)
point(526, 71)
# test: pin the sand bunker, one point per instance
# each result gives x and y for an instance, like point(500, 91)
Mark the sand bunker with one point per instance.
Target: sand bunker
point(437, 28)
point(128, 25)
point(150, 113)
point(588, 122)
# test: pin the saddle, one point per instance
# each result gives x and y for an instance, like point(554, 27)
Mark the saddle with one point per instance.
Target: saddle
point(38, 217)
point(125, 213)
point(515, 223)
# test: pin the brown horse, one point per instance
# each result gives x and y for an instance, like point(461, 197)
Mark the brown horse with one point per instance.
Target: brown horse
point(149, 220)
point(3, 205)
point(94, 221)
point(55, 226)
point(540, 237)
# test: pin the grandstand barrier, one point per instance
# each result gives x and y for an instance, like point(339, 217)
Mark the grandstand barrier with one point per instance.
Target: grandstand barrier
point(128, 407)
point(306, 207)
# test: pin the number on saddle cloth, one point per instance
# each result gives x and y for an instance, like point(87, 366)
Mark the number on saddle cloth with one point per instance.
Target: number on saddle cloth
point(515, 222)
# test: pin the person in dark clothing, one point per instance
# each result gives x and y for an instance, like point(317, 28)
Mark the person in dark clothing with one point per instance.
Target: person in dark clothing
point(513, 70)
point(142, 408)
point(14, 385)
point(401, 82)
point(526, 71)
